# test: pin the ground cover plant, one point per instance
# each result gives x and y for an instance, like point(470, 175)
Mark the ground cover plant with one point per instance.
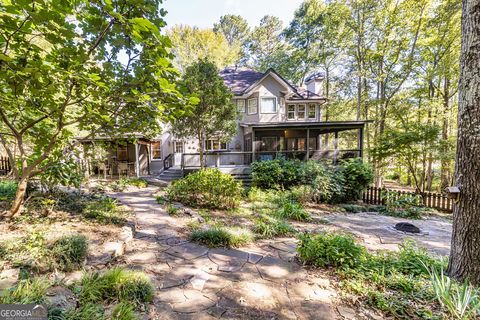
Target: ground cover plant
point(206, 188)
point(121, 184)
point(402, 205)
point(409, 284)
point(219, 236)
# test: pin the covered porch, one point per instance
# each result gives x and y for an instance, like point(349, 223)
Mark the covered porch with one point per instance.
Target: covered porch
point(115, 158)
point(333, 141)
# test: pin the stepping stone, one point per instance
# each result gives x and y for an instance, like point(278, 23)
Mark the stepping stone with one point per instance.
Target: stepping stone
point(187, 251)
point(303, 291)
point(228, 260)
point(196, 301)
point(178, 277)
point(8, 278)
point(284, 246)
point(147, 257)
point(171, 295)
point(275, 269)
point(116, 249)
point(174, 241)
point(254, 258)
point(346, 312)
point(199, 280)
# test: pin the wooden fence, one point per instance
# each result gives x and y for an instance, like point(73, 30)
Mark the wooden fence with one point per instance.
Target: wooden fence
point(438, 201)
point(4, 166)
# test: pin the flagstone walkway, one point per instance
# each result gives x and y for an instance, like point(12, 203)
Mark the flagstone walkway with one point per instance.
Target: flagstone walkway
point(194, 282)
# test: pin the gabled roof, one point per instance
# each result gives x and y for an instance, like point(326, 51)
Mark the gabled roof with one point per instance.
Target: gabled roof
point(242, 81)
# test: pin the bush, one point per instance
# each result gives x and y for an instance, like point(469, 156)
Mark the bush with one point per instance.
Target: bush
point(302, 194)
point(402, 205)
point(292, 210)
point(87, 311)
point(357, 176)
point(206, 188)
point(8, 189)
point(26, 291)
point(222, 237)
point(275, 174)
point(172, 210)
point(70, 251)
point(116, 284)
point(270, 227)
point(330, 250)
point(104, 210)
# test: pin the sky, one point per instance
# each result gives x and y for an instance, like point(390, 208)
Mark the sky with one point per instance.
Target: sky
point(204, 13)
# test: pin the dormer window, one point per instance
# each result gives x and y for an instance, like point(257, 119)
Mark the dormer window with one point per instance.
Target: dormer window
point(268, 105)
point(291, 112)
point(301, 112)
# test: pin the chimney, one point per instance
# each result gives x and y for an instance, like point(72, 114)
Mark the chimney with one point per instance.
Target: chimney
point(314, 83)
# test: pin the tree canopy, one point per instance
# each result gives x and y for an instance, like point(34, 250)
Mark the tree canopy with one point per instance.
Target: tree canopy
point(80, 67)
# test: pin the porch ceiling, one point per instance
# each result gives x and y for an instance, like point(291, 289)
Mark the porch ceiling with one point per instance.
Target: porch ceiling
point(341, 125)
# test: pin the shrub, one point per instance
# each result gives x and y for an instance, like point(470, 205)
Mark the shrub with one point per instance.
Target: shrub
point(357, 176)
point(70, 251)
point(172, 210)
point(325, 250)
point(87, 311)
point(274, 174)
point(269, 227)
point(292, 210)
point(222, 237)
point(402, 205)
point(207, 188)
point(302, 194)
point(8, 189)
point(116, 284)
point(26, 291)
point(104, 210)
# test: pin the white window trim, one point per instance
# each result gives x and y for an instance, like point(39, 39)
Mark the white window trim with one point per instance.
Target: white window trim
point(294, 112)
point(248, 105)
point(304, 111)
point(151, 151)
point(308, 111)
point(207, 148)
point(276, 104)
point(244, 109)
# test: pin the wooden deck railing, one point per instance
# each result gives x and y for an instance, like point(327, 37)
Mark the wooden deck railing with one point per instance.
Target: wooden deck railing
point(438, 201)
point(5, 167)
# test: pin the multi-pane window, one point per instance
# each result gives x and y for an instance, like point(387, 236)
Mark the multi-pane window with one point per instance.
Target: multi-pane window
point(215, 144)
point(301, 144)
point(122, 153)
point(156, 147)
point(291, 112)
point(268, 105)
point(241, 105)
point(301, 111)
point(312, 143)
point(252, 106)
point(269, 144)
point(312, 111)
point(178, 146)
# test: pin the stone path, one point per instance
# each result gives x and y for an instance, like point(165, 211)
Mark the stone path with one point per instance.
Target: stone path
point(195, 282)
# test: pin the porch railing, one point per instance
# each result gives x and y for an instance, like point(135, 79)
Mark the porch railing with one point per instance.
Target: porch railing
point(226, 159)
point(168, 161)
point(5, 167)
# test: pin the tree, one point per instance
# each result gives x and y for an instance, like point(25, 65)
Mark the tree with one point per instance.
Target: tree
point(465, 250)
point(236, 31)
point(191, 44)
point(79, 67)
point(213, 114)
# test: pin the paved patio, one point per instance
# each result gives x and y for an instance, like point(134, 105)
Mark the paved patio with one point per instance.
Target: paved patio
point(195, 282)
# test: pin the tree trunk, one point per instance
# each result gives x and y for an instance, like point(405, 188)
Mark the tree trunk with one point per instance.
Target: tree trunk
point(17, 204)
point(465, 250)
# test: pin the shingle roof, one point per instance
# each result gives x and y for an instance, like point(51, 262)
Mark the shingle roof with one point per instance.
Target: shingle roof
point(239, 80)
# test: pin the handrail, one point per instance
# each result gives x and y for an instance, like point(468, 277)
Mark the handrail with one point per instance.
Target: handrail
point(167, 162)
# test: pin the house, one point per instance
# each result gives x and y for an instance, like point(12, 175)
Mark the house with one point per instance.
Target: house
point(276, 118)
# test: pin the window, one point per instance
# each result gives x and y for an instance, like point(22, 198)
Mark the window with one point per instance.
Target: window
point(252, 106)
point(291, 112)
point(312, 144)
point(268, 105)
point(178, 147)
point(156, 147)
point(312, 111)
point(269, 144)
point(301, 144)
point(241, 105)
point(122, 153)
point(290, 144)
point(301, 111)
point(215, 144)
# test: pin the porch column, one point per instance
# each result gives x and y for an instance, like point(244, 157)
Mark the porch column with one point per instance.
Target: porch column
point(137, 162)
point(360, 141)
point(253, 145)
point(335, 146)
point(308, 144)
